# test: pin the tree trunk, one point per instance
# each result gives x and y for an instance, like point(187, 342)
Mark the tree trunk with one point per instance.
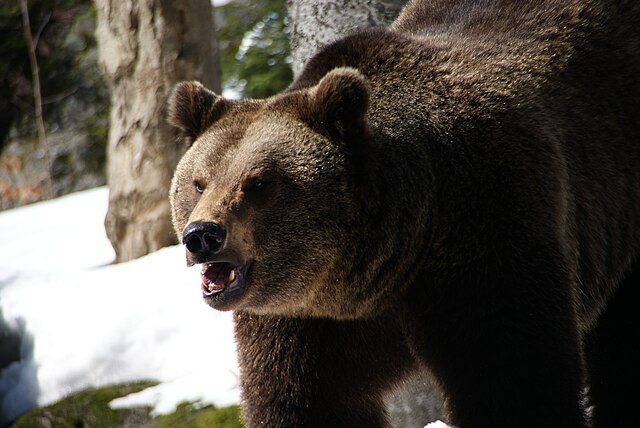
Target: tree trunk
point(146, 46)
point(313, 25)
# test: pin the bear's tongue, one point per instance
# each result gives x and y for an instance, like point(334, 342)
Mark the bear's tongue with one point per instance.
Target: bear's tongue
point(216, 277)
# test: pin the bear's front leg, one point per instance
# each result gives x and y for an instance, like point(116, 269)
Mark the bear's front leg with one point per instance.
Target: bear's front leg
point(504, 347)
point(317, 372)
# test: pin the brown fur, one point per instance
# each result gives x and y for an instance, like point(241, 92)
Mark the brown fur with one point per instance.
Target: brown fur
point(459, 193)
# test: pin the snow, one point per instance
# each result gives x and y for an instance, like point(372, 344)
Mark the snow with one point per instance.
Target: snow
point(216, 3)
point(87, 323)
point(438, 424)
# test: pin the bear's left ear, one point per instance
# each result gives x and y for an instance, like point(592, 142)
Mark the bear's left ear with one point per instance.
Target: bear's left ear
point(193, 108)
point(339, 104)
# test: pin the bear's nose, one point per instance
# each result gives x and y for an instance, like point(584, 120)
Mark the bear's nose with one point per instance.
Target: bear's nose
point(204, 238)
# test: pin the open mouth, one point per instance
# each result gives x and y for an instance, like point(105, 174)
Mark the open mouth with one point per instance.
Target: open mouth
point(221, 279)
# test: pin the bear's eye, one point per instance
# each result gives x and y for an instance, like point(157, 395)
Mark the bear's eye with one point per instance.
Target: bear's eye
point(198, 186)
point(255, 184)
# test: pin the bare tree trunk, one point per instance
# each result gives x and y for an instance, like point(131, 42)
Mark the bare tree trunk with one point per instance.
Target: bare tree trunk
point(37, 96)
point(146, 46)
point(313, 25)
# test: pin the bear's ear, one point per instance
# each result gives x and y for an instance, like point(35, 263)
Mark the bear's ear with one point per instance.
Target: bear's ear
point(193, 108)
point(339, 104)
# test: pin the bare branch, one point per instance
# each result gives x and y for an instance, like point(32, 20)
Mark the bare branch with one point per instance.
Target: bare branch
point(60, 96)
point(37, 97)
point(44, 24)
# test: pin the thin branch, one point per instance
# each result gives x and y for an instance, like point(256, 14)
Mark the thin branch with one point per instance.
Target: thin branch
point(44, 24)
point(37, 97)
point(60, 96)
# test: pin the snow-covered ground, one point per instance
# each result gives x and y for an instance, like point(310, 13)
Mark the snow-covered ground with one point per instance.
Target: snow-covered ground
point(87, 323)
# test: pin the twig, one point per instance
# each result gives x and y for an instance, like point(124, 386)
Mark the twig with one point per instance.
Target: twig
point(37, 97)
point(52, 99)
point(44, 24)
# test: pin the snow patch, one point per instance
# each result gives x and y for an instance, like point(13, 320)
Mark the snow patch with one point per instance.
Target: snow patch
point(438, 424)
point(86, 323)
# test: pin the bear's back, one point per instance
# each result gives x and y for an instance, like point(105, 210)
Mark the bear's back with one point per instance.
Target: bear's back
point(552, 86)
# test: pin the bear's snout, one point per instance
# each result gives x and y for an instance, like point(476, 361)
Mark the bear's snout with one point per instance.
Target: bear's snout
point(203, 240)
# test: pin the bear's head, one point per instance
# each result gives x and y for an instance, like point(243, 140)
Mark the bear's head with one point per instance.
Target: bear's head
point(269, 195)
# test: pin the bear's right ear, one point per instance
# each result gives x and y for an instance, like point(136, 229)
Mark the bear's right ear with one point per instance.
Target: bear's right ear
point(193, 108)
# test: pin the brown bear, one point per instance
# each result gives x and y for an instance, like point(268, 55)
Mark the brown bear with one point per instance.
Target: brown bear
point(457, 194)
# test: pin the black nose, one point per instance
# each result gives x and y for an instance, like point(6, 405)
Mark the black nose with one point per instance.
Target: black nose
point(204, 238)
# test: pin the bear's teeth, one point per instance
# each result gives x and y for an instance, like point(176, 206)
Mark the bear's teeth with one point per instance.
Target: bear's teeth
point(205, 266)
point(232, 275)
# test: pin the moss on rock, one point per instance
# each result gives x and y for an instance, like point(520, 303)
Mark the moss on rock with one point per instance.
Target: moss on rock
point(188, 415)
point(90, 409)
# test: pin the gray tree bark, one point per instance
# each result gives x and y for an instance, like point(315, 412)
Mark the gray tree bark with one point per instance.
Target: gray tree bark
point(313, 25)
point(317, 23)
point(145, 47)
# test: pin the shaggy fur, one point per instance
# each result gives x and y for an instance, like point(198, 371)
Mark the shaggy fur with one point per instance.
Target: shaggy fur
point(459, 193)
